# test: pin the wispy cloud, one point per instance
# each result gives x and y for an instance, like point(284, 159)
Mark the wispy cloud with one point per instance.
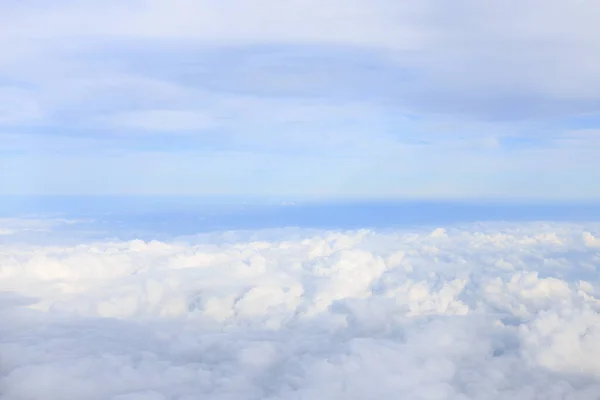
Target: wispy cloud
point(321, 80)
point(172, 121)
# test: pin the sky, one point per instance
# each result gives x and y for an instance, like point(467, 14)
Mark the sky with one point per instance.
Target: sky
point(314, 99)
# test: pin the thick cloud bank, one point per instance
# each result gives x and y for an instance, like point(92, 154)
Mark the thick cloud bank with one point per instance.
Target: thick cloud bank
point(472, 312)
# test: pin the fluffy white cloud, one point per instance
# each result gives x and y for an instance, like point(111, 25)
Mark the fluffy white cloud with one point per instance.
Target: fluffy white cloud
point(468, 312)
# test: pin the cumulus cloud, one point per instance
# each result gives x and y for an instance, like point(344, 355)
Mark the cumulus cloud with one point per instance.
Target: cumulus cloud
point(477, 311)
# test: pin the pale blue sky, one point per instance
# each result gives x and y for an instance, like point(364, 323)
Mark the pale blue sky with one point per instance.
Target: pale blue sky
point(343, 99)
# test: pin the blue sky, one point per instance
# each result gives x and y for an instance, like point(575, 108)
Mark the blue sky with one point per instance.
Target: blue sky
point(312, 99)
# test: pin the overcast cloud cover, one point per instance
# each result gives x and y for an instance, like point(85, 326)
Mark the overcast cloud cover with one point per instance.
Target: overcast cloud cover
point(476, 311)
point(359, 98)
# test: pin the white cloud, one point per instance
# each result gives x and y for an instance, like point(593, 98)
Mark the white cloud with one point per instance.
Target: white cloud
point(468, 58)
point(580, 139)
point(170, 121)
point(18, 106)
point(590, 240)
point(461, 312)
point(233, 21)
point(10, 226)
point(330, 79)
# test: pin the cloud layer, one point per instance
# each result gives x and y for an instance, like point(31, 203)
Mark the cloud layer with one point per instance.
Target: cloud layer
point(479, 311)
